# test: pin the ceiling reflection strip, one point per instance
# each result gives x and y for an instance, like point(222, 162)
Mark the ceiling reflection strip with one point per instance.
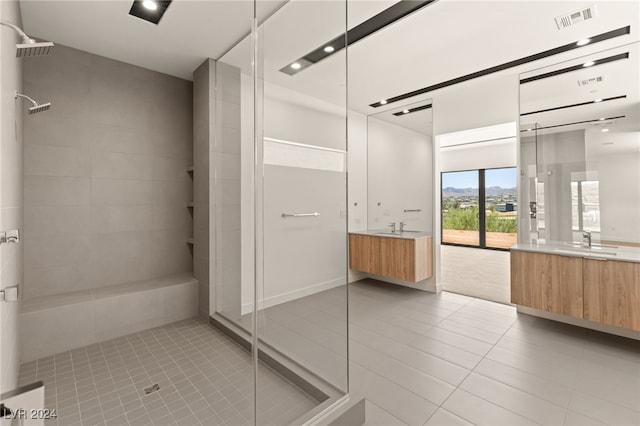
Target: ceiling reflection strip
point(574, 123)
point(576, 68)
point(357, 33)
point(541, 55)
point(410, 110)
point(575, 105)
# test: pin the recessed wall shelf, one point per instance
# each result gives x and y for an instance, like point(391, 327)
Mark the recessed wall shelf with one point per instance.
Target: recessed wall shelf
point(190, 204)
point(190, 169)
point(190, 241)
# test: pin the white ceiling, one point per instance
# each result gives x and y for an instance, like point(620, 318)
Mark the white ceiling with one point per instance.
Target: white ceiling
point(447, 39)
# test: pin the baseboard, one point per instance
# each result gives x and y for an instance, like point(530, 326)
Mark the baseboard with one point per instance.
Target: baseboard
point(293, 295)
point(605, 328)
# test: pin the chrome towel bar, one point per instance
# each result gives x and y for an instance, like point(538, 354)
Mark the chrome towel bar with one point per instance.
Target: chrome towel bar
point(315, 214)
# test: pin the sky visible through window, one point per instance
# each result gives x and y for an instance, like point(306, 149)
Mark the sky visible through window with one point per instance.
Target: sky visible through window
point(504, 178)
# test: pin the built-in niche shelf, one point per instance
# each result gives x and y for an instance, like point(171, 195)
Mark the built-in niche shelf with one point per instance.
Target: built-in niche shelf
point(190, 169)
point(190, 204)
point(190, 241)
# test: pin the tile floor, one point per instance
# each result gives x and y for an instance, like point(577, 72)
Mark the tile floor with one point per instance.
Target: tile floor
point(449, 359)
point(419, 359)
point(204, 378)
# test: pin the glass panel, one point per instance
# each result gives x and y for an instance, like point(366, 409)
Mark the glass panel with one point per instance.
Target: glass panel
point(501, 202)
point(301, 200)
point(460, 208)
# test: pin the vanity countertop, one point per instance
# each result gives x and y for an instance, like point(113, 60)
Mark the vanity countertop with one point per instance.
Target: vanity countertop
point(621, 253)
point(407, 235)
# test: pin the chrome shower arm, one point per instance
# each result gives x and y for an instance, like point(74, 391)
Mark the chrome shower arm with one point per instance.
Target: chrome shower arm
point(25, 37)
point(19, 95)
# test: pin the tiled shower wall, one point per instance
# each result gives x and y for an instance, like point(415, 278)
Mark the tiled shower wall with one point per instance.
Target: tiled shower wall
point(105, 176)
point(10, 192)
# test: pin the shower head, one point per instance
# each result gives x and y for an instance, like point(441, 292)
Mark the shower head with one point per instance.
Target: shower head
point(39, 108)
point(34, 49)
point(36, 108)
point(29, 46)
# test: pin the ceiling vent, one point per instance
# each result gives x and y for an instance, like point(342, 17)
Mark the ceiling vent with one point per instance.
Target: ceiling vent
point(591, 81)
point(566, 21)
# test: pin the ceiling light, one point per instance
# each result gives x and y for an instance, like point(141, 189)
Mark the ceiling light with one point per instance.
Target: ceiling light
point(588, 64)
point(602, 118)
point(406, 111)
point(296, 65)
point(583, 42)
point(597, 100)
point(604, 130)
point(150, 4)
point(329, 49)
point(383, 102)
point(149, 10)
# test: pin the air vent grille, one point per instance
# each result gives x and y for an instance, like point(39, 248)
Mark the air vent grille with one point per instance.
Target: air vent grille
point(591, 81)
point(566, 21)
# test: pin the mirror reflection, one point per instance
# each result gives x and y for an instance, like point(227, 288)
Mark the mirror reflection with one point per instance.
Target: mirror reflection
point(580, 148)
point(399, 158)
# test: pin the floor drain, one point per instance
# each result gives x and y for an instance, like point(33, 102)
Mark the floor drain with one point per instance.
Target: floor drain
point(151, 389)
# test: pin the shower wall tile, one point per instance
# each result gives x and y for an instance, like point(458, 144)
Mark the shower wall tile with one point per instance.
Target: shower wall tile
point(116, 165)
point(109, 138)
point(60, 221)
point(105, 181)
point(43, 160)
point(121, 191)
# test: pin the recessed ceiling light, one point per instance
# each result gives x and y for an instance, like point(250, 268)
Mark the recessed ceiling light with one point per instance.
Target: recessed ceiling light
point(329, 49)
point(597, 100)
point(602, 118)
point(150, 4)
point(604, 130)
point(383, 102)
point(588, 64)
point(406, 111)
point(296, 65)
point(583, 42)
point(149, 10)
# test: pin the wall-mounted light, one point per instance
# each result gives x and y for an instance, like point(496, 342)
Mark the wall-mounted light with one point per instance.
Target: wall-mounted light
point(149, 10)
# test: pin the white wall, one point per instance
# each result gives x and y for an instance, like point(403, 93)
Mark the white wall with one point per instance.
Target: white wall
point(400, 176)
point(11, 113)
point(289, 271)
point(619, 176)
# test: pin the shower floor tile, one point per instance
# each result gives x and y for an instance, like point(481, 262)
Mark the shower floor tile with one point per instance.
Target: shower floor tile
point(204, 378)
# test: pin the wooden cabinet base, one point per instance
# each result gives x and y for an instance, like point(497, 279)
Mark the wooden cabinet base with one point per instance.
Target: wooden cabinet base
point(400, 258)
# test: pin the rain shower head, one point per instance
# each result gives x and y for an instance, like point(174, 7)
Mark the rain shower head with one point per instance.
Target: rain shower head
point(36, 108)
point(34, 49)
point(29, 47)
point(39, 108)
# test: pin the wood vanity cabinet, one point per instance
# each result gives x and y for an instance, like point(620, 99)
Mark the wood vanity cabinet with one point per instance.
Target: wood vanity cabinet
point(408, 259)
point(612, 292)
point(547, 282)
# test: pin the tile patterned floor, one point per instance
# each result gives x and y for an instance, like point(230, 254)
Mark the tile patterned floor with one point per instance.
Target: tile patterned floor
point(448, 359)
point(204, 378)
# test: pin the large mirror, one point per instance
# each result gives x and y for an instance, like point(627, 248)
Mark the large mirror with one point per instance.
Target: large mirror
point(400, 168)
point(580, 150)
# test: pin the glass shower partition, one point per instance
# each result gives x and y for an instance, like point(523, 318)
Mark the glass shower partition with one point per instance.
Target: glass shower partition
point(278, 213)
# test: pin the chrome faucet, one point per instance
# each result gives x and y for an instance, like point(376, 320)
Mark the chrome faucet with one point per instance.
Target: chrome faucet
point(586, 239)
point(402, 224)
point(393, 227)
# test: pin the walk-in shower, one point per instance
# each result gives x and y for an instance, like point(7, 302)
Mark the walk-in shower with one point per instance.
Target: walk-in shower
point(36, 108)
point(29, 47)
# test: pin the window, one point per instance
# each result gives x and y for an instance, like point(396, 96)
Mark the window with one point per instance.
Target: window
point(479, 208)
